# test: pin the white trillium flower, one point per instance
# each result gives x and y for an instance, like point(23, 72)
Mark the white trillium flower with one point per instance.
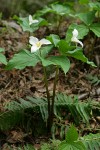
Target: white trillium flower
point(36, 44)
point(31, 21)
point(74, 37)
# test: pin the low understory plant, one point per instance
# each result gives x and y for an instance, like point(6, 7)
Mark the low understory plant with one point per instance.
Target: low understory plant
point(40, 53)
point(72, 142)
point(36, 52)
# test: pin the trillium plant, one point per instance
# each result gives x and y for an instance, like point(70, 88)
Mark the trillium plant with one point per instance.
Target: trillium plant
point(75, 38)
point(39, 50)
point(31, 21)
point(36, 43)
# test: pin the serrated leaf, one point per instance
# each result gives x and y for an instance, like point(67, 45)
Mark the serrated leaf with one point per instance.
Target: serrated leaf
point(3, 59)
point(53, 38)
point(71, 146)
point(78, 54)
point(26, 58)
point(87, 18)
point(78, 146)
point(82, 30)
point(72, 134)
point(62, 146)
point(95, 27)
point(61, 61)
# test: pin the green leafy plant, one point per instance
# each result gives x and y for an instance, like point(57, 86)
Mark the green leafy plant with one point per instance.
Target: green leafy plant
point(74, 142)
point(71, 141)
point(89, 21)
point(91, 141)
point(14, 109)
point(41, 54)
point(93, 79)
point(2, 57)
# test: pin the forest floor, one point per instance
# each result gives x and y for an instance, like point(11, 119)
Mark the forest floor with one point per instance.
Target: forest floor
point(17, 84)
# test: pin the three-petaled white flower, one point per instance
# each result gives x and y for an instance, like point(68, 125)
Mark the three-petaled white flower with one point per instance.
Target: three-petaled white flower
point(36, 44)
point(74, 37)
point(31, 21)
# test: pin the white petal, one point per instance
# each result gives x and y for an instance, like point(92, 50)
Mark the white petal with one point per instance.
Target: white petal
point(34, 48)
point(80, 43)
point(35, 21)
point(75, 33)
point(33, 40)
point(31, 20)
point(44, 41)
point(74, 39)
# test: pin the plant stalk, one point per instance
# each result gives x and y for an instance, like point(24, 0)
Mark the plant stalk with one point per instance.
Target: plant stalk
point(48, 98)
point(53, 97)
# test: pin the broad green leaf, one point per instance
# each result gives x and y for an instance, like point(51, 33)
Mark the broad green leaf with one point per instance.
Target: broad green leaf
point(78, 54)
point(2, 49)
point(87, 18)
point(82, 30)
point(55, 8)
point(78, 146)
point(64, 47)
point(95, 6)
point(42, 22)
point(26, 58)
point(54, 39)
point(45, 50)
point(3, 59)
point(42, 12)
point(61, 61)
point(95, 27)
point(71, 146)
point(72, 134)
point(83, 1)
point(24, 23)
point(63, 145)
point(60, 9)
point(21, 60)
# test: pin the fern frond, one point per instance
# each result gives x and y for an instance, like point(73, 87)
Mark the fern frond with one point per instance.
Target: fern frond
point(9, 119)
point(77, 108)
point(91, 141)
point(15, 110)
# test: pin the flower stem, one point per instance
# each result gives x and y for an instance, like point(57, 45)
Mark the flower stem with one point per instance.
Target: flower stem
point(54, 91)
point(48, 97)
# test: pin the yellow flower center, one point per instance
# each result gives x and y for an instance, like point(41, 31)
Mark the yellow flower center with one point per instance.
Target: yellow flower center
point(38, 44)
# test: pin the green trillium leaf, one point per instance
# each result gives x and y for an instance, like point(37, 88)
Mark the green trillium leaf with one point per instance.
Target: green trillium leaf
point(87, 17)
point(3, 59)
point(26, 58)
point(82, 30)
point(2, 49)
point(61, 61)
point(95, 27)
point(53, 38)
point(78, 54)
